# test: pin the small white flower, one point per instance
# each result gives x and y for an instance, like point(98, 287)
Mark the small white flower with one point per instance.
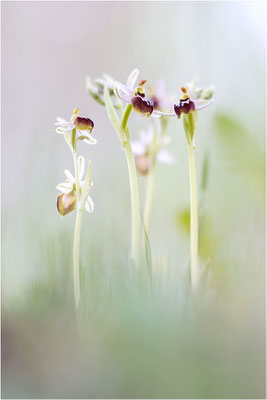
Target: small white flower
point(82, 125)
point(70, 185)
point(150, 143)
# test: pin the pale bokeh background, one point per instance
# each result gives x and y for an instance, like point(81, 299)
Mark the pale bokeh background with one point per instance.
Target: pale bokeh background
point(48, 49)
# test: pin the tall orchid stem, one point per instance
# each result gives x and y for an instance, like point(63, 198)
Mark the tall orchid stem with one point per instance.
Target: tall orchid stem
point(77, 233)
point(193, 216)
point(76, 239)
point(76, 257)
point(135, 202)
point(122, 130)
point(149, 197)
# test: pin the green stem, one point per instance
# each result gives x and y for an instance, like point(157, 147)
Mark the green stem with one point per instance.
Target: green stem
point(125, 118)
point(193, 217)
point(76, 257)
point(81, 199)
point(135, 204)
point(149, 196)
point(123, 133)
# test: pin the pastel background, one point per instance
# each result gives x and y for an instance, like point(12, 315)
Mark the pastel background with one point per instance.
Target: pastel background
point(48, 50)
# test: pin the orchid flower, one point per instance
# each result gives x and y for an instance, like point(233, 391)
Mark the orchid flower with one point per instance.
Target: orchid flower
point(66, 202)
point(149, 147)
point(189, 102)
point(83, 126)
point(134, 94)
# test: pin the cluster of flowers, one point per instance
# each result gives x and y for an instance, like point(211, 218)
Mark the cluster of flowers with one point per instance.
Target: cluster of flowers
point(156, 104)
point(120, 100)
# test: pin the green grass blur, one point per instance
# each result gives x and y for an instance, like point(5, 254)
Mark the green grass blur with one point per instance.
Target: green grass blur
point(140, 334)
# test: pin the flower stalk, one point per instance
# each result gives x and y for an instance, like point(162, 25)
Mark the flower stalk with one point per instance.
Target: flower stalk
point(193, 216)
point(135, 204)
point(77, 234)
point(121, 127)
point(149, 197)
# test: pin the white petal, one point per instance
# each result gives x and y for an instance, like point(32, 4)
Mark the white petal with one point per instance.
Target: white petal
point(132, 78)
point(66, 124)
point(165, 157)
point(82, 183)
point(191, 91)
point(69, 176)
point(157, 113)
point(126, 98)
point(147, 136)
point(89, 139)
point(89, 205)
point(65, 187)
point(59, 119)
point(138, 147)
point(81, 167)
point(121, 90)
point(154, 115)
point(202, 103)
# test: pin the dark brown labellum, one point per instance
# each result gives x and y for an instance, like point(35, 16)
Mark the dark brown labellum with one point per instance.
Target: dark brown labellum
point(142, 106)
point(184, 107)
point(83, 124)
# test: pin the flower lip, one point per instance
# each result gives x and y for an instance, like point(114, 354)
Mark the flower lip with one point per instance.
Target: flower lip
point(141, 105)
point(184, 107)
point(83, 123)
point(66, 203)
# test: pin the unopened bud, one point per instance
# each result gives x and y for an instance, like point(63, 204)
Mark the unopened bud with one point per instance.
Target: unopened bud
point(207, 93)
point(142, 163)
point(66, 203)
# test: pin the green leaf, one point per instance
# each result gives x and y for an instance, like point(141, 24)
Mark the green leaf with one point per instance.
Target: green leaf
point(241, 149)
point(208, 239)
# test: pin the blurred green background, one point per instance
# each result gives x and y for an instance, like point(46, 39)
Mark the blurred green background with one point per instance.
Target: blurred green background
point(139, 335)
